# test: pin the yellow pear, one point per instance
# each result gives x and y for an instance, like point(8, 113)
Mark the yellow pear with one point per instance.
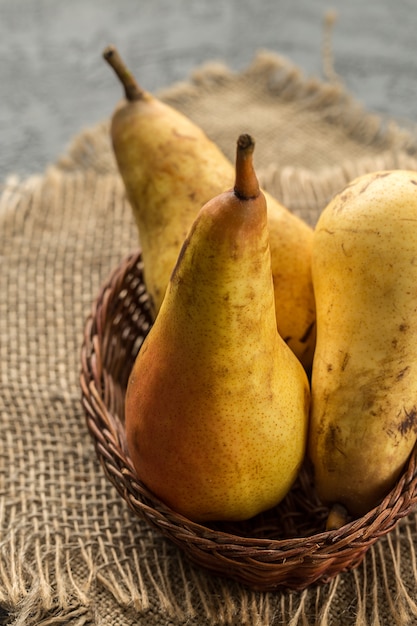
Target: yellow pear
point(170, 168)
point(364, 380)
point(217, 403)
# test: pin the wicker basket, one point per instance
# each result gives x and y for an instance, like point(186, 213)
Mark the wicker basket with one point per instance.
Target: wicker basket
point(283, 548)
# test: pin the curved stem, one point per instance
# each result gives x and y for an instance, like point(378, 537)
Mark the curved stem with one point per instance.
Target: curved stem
point(132, 90)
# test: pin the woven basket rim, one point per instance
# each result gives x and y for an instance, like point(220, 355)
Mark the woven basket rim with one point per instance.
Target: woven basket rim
point(255, 561)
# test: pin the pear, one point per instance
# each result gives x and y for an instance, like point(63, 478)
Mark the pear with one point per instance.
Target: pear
point(217, 404)
point(170, 168)
point(364, 380)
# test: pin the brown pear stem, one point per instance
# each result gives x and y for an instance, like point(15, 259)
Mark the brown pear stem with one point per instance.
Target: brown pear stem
point(246, 182)
point(132, 90)
point(337, 517)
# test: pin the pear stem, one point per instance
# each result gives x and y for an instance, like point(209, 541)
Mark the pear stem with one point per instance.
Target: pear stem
point(246, 182)
point(132, 90)
point(337, 517)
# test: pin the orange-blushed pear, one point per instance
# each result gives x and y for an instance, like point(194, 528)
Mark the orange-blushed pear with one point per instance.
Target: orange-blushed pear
point(217, 404)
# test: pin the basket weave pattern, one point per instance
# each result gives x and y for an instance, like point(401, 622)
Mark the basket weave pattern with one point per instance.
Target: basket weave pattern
point(284, 548)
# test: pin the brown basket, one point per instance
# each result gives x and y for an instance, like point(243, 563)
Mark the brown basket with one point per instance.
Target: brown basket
point(283, 548)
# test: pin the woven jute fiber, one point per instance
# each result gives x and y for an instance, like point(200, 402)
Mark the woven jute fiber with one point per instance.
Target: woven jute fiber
point(71, 551)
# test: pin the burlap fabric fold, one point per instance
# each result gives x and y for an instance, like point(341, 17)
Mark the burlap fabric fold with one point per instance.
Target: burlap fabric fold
point(71, 552)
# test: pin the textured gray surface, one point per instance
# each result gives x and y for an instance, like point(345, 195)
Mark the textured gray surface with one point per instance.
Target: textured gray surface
point(54, 83)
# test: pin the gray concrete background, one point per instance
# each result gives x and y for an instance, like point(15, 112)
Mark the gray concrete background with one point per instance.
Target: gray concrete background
point(53, 82)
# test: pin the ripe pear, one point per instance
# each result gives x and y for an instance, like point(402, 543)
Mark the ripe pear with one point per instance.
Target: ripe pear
point(364, 379)
point(170, 169)
point(217, 403)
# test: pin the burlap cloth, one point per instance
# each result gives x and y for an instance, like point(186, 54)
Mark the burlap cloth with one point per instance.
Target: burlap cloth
point(71, 550)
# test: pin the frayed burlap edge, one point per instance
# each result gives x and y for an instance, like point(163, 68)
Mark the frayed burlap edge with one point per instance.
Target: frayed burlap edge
point(374, 142)
point(270, 78)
